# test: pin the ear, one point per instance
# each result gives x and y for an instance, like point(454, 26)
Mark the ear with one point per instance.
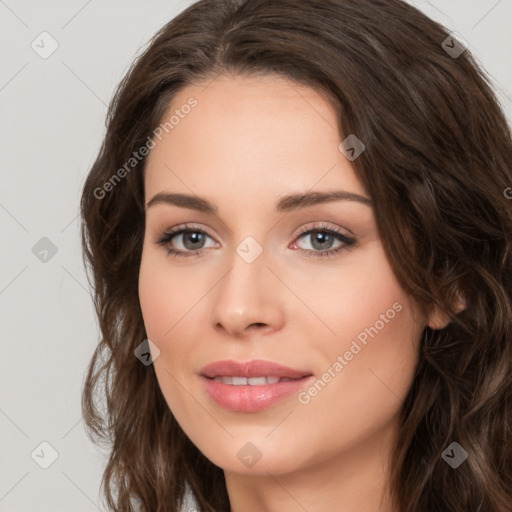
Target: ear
point(438, 319)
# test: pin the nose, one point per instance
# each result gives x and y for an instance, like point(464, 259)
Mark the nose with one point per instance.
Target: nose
point(249, 298)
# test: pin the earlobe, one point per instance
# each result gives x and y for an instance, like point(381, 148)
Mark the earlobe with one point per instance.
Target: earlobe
point(438, 319)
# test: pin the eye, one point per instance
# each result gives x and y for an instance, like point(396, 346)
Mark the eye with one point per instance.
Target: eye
point(184, 240)
point(322, 239)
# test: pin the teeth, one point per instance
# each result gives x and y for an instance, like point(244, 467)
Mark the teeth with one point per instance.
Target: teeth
point(257, 381)
point(252, 381)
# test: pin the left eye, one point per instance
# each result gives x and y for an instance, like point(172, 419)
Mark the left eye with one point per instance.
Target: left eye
point(322, 239)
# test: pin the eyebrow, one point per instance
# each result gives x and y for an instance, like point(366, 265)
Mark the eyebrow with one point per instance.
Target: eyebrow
point(285, 204)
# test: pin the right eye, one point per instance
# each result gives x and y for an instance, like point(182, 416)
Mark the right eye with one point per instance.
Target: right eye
point(190, 241)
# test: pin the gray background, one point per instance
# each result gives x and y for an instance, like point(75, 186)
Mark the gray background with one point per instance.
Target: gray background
point(52, 113)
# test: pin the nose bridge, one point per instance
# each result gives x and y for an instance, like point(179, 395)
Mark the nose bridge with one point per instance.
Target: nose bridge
point(244, 295)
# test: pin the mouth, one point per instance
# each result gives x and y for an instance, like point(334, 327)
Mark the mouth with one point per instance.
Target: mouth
point(251, 386)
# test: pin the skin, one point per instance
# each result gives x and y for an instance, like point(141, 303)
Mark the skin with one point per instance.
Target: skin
point(248, 142)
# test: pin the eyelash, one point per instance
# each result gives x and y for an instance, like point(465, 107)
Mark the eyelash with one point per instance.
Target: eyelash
point(167, 236)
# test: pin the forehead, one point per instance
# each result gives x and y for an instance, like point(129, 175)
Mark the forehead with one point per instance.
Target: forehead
point(251, 138)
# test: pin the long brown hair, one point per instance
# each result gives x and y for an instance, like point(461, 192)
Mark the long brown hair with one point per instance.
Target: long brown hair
point(437, 166)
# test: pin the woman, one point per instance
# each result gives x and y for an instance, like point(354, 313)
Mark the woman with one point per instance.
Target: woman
point(301, 248)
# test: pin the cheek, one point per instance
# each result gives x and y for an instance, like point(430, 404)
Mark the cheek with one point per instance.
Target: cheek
point(166, 300)
point(352, 296)
point(375, 330)
point(153, 301)
point(166, 295)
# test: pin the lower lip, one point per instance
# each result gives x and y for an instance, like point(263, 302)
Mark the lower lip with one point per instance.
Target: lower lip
point(252, 398)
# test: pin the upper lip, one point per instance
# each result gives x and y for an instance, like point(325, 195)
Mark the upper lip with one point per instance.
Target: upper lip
point(254, 368)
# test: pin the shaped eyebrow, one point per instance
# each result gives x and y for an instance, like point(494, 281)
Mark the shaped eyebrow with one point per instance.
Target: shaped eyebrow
point(285, 204)
point(183, 200)
point(296, 201)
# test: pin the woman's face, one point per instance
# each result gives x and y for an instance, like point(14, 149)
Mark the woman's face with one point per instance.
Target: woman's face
point(301, 282)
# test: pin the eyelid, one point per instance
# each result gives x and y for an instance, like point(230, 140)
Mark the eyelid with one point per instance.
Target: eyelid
point(321, 227)
point(178, 229)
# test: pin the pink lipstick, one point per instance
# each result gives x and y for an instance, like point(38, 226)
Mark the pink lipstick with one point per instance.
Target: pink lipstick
point(251, 386)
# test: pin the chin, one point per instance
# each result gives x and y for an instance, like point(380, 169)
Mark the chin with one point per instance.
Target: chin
point(255, 457)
